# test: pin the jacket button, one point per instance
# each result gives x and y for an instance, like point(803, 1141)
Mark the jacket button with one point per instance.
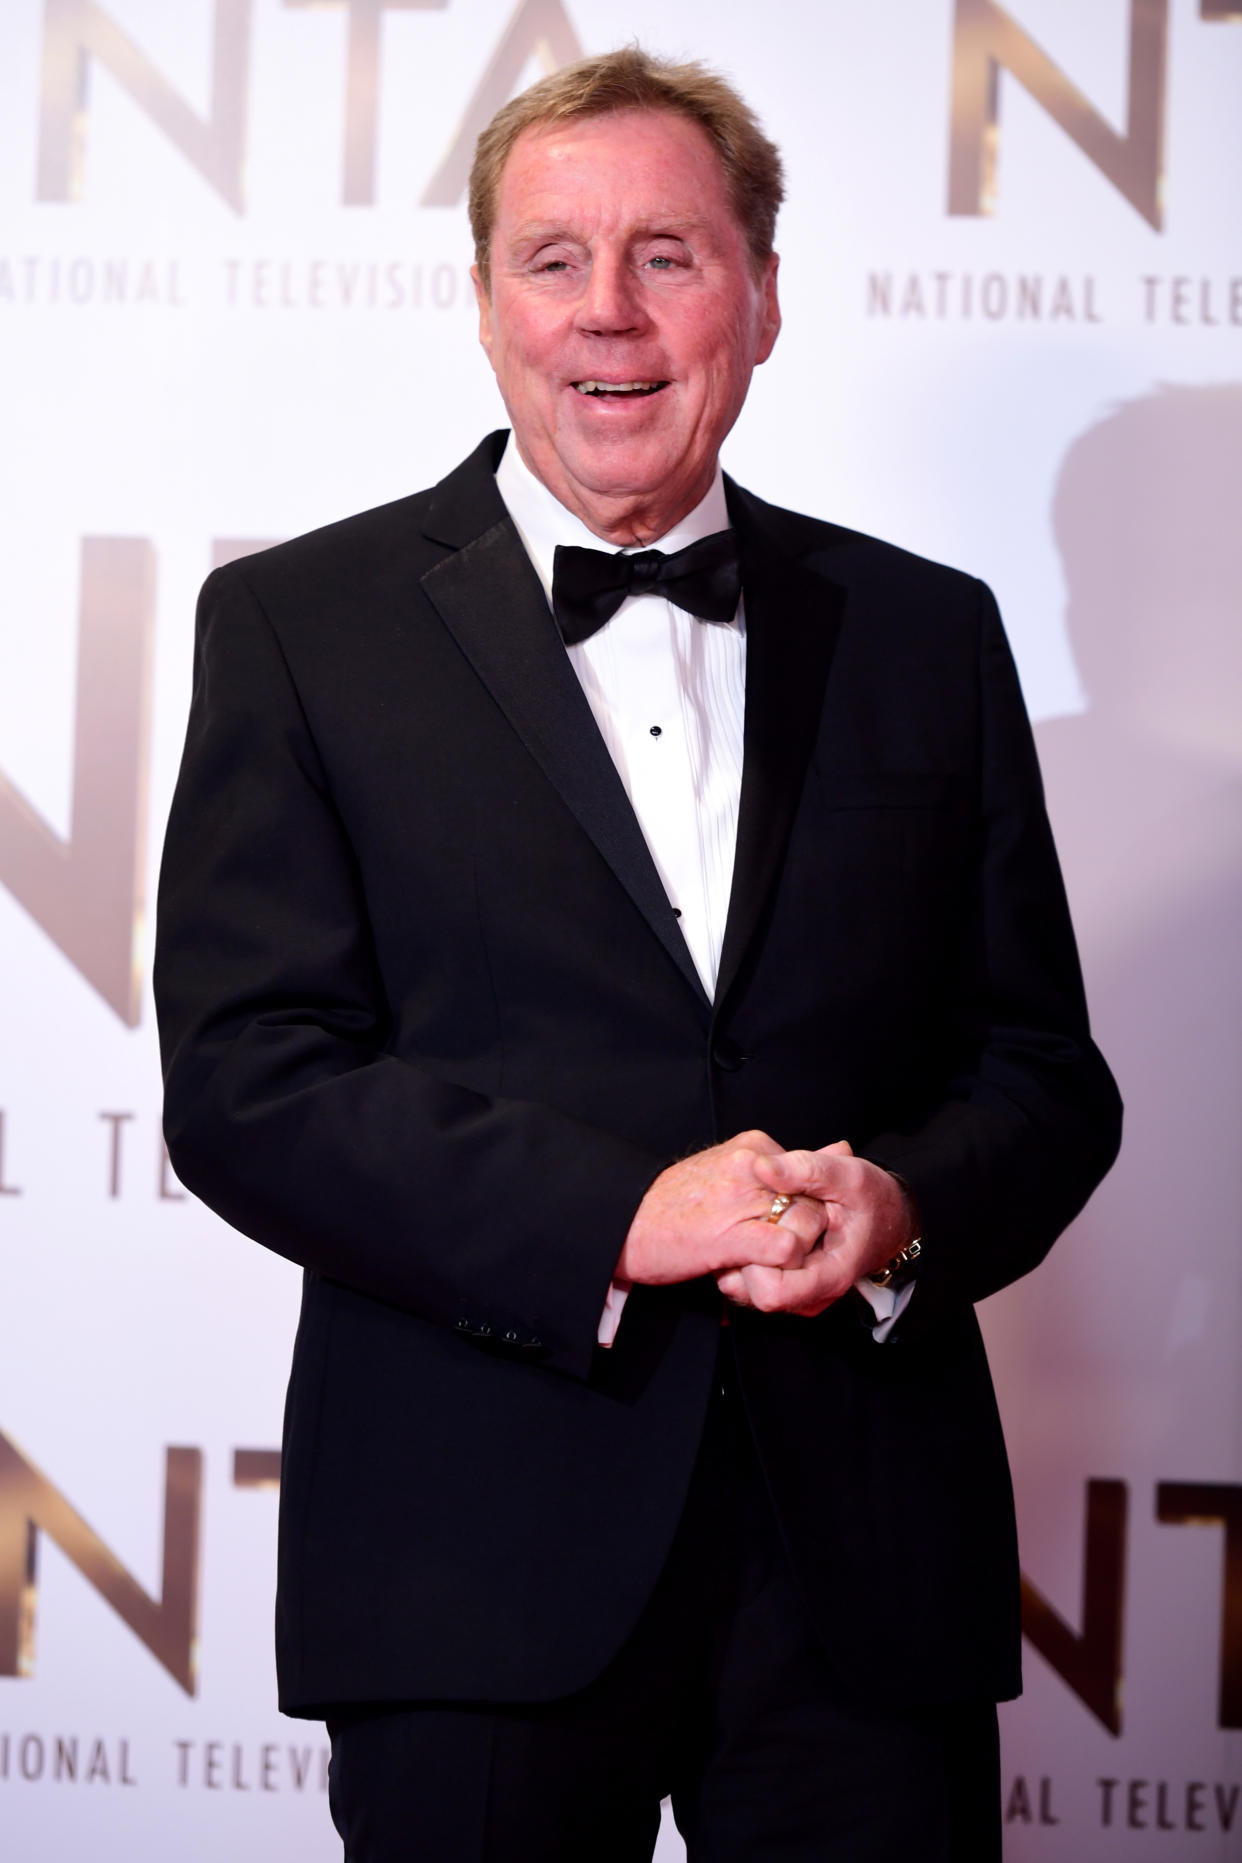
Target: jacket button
point(510, 1338)
point(463, 1326)
point(727, 1055)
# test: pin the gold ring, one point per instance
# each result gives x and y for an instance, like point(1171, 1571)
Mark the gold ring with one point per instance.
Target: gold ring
point(780, 1203)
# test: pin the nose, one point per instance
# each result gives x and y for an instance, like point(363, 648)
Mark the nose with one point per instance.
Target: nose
point(612, 301)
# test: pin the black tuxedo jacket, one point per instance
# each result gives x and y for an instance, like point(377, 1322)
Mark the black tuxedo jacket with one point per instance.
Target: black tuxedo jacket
point(430, 1029)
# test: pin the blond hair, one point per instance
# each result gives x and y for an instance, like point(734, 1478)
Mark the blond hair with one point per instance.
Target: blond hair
point(631, 79)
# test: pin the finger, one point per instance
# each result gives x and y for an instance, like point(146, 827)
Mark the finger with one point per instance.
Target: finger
point(762, 1287)
point(809, 1173)
point(796, 1290)
point(787, 1210)
point(732, 1285)
point(806, 1218)
point(755, 1141)
point(787, 1242)
point(743, 1156)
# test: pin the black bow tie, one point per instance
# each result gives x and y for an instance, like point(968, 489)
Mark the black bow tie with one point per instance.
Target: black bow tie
point(588, 586)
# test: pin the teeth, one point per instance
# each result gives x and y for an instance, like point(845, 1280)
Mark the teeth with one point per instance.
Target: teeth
point(617, 388)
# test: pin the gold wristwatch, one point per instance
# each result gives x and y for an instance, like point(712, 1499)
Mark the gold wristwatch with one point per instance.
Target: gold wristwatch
point(901, 1268)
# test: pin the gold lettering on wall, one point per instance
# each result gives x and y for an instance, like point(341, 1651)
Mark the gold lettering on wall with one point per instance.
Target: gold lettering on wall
point(88, 892)
point(539, 29)
point(77, 31)
point(987, 40)
point(1215, 1504)
point(362, 88)
point(256, 1468)
point(115, 1121)
point(1089, 1662)
point(6, 1189)
point(30, 1505)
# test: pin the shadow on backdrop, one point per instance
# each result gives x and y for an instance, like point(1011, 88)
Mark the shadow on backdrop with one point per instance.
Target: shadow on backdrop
point(1120, 1355)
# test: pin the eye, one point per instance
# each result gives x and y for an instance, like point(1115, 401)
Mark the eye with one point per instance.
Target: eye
point(670, 257)
point(550, 258)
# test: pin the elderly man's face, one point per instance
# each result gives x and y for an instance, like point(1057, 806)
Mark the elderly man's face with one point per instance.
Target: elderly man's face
point(625, 315)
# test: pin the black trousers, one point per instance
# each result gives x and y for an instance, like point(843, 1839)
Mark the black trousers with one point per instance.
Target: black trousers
point(721, 1697)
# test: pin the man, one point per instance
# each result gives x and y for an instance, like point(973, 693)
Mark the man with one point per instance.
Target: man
point(554, 994)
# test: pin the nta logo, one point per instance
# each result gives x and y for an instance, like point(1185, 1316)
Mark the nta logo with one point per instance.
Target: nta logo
point(78, 33)
point(1088, 1661)
point(986, 41)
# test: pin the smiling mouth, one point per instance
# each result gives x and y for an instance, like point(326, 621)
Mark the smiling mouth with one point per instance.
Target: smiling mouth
point(619, 390)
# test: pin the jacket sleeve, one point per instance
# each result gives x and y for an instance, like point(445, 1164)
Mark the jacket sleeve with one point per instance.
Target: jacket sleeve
point(286, 1110)
point(1030, 1119)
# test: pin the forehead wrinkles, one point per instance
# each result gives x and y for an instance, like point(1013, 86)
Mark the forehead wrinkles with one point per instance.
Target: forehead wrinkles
point(620, 172)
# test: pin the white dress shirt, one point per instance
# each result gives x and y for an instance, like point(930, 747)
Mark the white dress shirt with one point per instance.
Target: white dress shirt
point(668, 694)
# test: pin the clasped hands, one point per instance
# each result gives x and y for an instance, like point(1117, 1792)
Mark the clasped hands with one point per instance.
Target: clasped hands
point(710, 1214)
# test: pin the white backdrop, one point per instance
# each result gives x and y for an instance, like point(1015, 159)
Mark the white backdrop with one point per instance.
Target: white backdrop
point(229, 315)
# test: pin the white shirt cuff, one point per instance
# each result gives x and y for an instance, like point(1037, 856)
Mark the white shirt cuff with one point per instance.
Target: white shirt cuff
point(887, 1303)
point(610, 1318)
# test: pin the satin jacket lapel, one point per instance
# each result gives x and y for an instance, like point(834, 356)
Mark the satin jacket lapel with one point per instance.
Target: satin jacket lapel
point(491, 600)
point(793, 619)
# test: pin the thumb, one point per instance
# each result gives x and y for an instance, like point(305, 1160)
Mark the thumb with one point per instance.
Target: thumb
point(796, 1172)
point(804, 1173)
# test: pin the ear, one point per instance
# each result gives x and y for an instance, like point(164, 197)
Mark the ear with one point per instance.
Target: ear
point(484, 303)
point(770, 325)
